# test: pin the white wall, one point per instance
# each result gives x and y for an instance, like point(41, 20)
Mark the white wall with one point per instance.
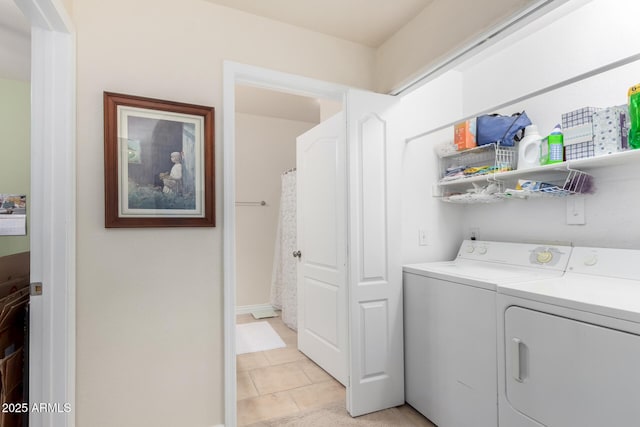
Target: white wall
point(329, 108)
point(548, 52)
point(15, 108)
point(149, 301)
point(430, 106)
point(562, 53)
point(443, 26)
point(265, 147)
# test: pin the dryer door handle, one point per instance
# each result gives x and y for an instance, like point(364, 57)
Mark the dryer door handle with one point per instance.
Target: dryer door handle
point(516, 352)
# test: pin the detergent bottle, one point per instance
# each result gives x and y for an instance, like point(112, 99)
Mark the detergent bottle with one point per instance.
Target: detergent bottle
point(552, 147)
point(529, 149)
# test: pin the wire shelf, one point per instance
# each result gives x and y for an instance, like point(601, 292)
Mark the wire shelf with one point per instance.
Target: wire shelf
point(474, 198)
point(484, 160)
point(576, 182)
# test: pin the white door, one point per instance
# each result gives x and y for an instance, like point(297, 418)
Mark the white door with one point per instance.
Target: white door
point(376, 363)
point(322, 245)
point(562, 372)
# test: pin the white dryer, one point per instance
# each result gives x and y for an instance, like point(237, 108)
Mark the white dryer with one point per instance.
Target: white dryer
point(569, 348)
point(450, 327)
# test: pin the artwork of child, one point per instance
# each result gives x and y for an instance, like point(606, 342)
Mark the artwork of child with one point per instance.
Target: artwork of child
point(173, 180)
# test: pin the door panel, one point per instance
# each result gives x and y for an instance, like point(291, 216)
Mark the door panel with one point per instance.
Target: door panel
point(322, 269)
point(375, 281)
point(321, 303)
point(561, 372)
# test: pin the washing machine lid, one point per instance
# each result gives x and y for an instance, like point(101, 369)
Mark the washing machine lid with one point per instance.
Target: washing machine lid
point(600, 281)
point(480, 274)
point(486, 264)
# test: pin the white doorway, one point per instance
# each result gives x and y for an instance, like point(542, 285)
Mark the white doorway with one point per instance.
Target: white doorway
point(235, 74)
point(374, 330)
point(267, 125)
point(52, 211)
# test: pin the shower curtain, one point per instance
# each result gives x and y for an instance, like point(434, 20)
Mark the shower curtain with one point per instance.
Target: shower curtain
point(284, 278)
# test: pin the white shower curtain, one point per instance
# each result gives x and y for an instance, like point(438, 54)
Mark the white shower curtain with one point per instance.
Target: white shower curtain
point(284, 278)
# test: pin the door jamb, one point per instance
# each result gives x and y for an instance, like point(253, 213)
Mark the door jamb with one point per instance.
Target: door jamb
point(236, 73)
point(53, 205)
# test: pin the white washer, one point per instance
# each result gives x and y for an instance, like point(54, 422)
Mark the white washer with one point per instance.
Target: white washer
point(450, 327)
point(569, 348)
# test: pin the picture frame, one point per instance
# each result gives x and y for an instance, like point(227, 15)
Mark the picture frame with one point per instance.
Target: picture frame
point(158, 163)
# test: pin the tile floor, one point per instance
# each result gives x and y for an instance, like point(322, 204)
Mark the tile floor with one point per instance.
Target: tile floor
point(284, 382)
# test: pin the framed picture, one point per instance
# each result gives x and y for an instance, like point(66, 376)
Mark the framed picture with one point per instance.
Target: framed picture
point(158, 163)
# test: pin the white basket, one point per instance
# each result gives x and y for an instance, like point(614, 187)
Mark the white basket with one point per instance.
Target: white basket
point(576, 182)
point(497, 158)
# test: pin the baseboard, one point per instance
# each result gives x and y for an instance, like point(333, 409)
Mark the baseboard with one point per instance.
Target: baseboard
point(246, 309)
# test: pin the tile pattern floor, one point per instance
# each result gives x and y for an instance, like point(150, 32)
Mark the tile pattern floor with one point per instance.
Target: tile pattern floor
point(284, 382)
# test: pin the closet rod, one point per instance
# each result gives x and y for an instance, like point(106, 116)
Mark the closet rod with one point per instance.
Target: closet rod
point(260, 203)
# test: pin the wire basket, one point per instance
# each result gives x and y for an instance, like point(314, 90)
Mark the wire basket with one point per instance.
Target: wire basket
point(488, 159)
point(506, 158)
point(576, 182)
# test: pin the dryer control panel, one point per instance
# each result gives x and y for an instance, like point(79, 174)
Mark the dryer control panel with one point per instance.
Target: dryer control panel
point(607, 262)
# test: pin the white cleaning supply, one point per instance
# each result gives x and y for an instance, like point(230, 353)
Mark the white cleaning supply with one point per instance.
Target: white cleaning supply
point(529, 151)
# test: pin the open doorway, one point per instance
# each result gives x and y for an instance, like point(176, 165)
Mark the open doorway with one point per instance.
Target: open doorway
point(15, 124)
point(366, 182)
point(51, 188)
point(274, 378)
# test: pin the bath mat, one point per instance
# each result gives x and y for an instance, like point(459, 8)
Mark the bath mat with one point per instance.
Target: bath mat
point(256, 336)
point(263, 314)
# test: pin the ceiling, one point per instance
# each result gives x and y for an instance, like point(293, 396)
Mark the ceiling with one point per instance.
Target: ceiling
point(368, 22)
point(264, 102)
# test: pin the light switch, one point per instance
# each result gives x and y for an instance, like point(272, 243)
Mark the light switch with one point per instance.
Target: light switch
point(422, 238)
point(575, 211)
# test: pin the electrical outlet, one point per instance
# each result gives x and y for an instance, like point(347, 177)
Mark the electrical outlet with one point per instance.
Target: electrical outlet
point(422, 238)
point(474, 233)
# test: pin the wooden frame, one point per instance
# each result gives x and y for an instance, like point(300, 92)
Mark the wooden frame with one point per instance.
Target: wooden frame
point(169, 177)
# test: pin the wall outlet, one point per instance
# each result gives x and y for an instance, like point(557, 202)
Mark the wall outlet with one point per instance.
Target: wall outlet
point(474, 233)
point(422, 238)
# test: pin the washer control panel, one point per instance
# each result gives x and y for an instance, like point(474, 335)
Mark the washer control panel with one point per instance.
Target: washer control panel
point(544, 257)
point(547, 255)
point(524, 254)
point(476, 248)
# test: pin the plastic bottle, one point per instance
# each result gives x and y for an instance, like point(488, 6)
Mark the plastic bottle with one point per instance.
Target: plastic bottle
point(552, 147)
point(529, 149)
point(556, 145)
point(634, 116)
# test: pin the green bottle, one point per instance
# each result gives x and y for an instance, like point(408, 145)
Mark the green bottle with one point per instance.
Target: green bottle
point(634, 116)
point(552, 147)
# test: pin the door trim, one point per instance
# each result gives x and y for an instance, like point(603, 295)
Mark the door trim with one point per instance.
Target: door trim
point(236, 73)
point(53, 205)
